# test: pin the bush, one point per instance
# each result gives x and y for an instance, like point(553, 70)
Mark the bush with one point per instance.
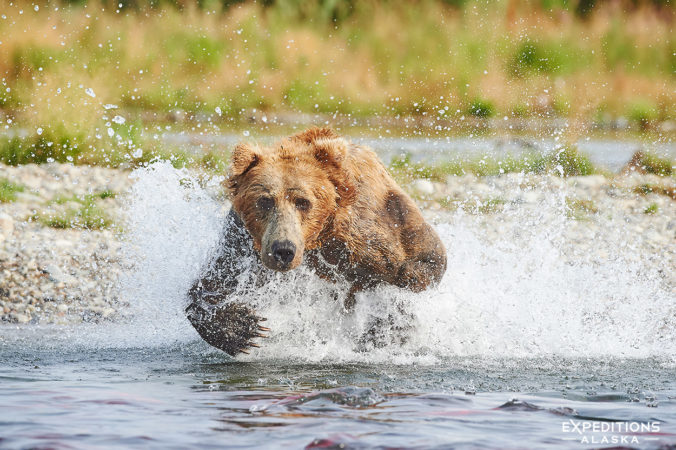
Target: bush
point(579, 209)
point(543, 57)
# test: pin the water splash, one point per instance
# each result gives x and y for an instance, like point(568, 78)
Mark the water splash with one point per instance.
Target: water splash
point(171, 224)
point(517, 296)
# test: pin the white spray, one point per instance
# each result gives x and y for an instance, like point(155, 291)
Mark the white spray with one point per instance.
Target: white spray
point(496, 299)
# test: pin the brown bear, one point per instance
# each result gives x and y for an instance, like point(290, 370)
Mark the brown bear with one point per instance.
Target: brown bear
point(319, 199)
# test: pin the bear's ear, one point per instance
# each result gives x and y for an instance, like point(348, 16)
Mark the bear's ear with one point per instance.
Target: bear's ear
point(328, 148)
point(311, 135)
point(331, 154)
point(243, 159)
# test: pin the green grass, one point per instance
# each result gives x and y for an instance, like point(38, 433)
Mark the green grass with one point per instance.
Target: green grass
point(643, 113)
point(646, 162)
point(568, 161)
point(481, 108)
point(472, 57)
point(580, 209)
point(105, 194)
point(651, 209)
point(565, 162)
point(93, 151)
point(651, 163)
point(8, 190)
point(545, 57)
point(645, 189)
point(39, 150)
point(489, 206)
point(88, 215)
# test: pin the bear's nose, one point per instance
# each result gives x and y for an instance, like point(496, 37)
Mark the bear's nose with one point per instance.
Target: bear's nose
point(283, 251)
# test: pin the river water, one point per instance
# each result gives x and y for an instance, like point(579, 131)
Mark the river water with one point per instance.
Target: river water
point(519, 347)
point(187, 396)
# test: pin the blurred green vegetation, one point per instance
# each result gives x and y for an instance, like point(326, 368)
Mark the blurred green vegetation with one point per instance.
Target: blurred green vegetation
point(76, 76)
point(645, 189)
point(647, 162)
point(87, 215)
point(651, 209)
point(567, 161)
point(579, 209)
point(8, 190)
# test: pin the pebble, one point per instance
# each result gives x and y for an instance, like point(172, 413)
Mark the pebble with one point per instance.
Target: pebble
point(589, 182)
point(58, 275)
point(46, 274)
point(6, 225)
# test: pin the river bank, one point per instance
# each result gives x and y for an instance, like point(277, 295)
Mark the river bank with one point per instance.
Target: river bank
point(62, 230)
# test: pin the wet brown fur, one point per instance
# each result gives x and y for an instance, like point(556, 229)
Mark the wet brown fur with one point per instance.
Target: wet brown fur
point(357, 210)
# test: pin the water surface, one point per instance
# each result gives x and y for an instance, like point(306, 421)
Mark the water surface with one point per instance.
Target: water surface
point(189, 396)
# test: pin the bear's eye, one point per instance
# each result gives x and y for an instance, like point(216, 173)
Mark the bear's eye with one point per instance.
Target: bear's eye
point(302, 204)
point(265, 203)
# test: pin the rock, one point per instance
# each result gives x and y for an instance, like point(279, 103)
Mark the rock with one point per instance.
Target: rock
point(31, 181)
point(58, 275)
point(20, 318)
point(423, 187)
point(482, 189)
point(6, 224)
point(589, 182)
point(531, 197)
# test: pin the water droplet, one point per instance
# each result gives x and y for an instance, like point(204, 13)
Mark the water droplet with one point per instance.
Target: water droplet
point(90, 92)
point(119, 120)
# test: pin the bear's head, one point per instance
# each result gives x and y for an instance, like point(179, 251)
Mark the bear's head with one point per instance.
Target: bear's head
point(287, 194)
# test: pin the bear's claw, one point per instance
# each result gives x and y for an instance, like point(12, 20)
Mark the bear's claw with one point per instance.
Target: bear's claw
point(229, 327)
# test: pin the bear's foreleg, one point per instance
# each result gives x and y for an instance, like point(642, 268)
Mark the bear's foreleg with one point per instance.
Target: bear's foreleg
point(218, 318)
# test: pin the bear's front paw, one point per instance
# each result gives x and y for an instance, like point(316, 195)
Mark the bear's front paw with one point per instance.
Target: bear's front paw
point(230, 327)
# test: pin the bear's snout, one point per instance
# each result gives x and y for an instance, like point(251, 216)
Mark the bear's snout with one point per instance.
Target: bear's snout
point(282, 244)
point(284, 252)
